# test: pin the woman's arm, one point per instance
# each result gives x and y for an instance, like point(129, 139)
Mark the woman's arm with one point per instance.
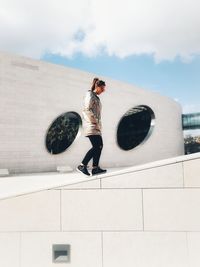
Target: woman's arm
point(89, 109)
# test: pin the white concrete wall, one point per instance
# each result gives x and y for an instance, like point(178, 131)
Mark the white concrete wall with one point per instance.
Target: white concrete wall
point(143, 218)
point(34, 212)
point(86, 248)
point(34, 93)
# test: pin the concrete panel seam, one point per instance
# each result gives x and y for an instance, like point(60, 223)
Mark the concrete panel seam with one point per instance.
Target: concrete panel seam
point(60, 210)
point(73, 189)
point(63, 187)
point(142, 210)
point(102, 249)
point(143, 204)
point(103, 231)
point(183, 174)
point(20, 249)
point(24, 65)
point(131, 188)
point(187, 246)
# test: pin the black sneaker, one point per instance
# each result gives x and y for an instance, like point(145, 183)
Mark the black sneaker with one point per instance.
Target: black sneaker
point(98, 170)
point(83, 169)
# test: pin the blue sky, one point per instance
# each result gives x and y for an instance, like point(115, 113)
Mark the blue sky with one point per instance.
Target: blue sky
point(153, 44)
point(175, 79)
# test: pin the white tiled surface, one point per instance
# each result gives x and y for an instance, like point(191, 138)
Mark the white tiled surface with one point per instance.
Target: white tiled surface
point(36, 248)
point(172, 209)
point(10, 250)
point(138, 249)
point(194, 246)
point(163, 176)
point(192, 173)
point(33, 212)
point(145, 250)
point(102, 210)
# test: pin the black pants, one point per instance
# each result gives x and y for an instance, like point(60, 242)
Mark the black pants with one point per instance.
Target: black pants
point(95, 151)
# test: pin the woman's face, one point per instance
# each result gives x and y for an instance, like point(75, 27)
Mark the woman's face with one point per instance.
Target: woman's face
point(100, 89)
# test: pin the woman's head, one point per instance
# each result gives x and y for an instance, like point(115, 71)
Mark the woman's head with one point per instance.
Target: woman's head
point(98, 86)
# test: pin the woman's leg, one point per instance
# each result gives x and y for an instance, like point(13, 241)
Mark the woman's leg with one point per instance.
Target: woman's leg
point(95, 151)
point(98, 146)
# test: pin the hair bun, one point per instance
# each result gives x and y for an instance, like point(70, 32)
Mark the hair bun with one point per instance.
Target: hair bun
point(100, 83)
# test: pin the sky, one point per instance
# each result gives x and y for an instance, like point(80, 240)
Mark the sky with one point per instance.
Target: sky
point(153, 44)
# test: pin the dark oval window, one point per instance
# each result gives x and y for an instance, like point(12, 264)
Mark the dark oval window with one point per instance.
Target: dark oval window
point(135, 127)
point(62, 132)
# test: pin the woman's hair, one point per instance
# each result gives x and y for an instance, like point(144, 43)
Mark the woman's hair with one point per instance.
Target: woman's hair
point(97, 82)
point(100, 83)
point(94, 83)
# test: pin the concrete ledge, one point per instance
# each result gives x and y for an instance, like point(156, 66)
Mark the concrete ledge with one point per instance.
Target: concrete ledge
point(166, 176)
point(154, 164)
point(4, 172)
point(64, 168)
point(22, 184)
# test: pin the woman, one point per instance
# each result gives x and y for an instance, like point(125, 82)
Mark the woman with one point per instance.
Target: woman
point(92, 127)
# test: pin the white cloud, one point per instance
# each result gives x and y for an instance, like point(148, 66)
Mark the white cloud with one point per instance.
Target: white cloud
point(165, 29)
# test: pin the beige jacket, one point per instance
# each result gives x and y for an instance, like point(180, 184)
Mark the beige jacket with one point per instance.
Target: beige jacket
point(92, 114)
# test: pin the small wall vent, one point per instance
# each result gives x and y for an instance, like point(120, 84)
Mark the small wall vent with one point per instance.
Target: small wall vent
point(61, 253)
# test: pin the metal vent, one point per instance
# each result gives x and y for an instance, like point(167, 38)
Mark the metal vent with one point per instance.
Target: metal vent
point(61, 253)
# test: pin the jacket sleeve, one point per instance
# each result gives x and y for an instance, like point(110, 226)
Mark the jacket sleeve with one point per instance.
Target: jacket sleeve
point(88, 109)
